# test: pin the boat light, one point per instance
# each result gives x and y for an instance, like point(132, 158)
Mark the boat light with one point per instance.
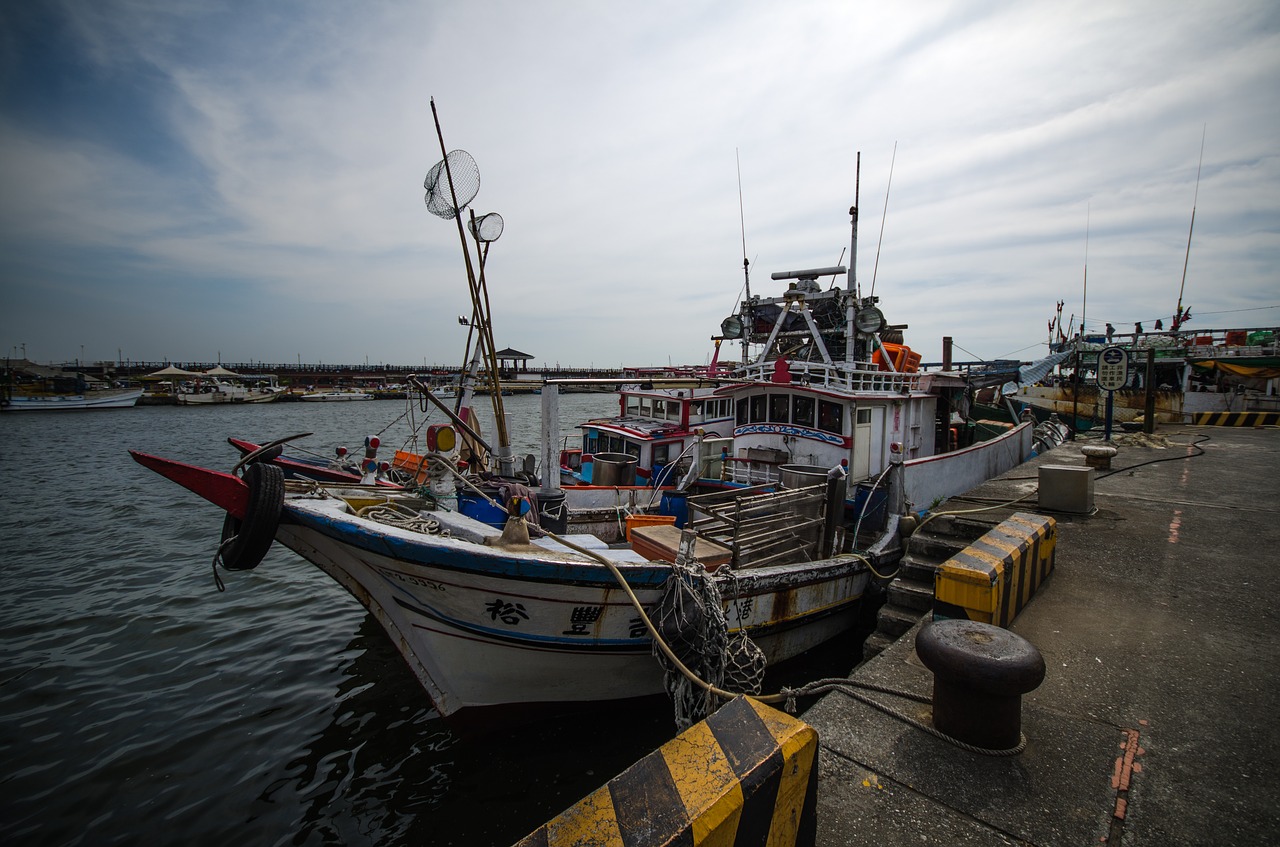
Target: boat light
point(340, 451)
point(441, 438)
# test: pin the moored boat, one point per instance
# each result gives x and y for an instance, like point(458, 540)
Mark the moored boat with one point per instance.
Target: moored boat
point(220, 392)
point(478, 569)
point(1193, 373)
point(107, 398)
point(336, 396)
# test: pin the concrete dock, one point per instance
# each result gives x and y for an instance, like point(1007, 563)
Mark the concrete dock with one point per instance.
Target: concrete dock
point(1157, 721)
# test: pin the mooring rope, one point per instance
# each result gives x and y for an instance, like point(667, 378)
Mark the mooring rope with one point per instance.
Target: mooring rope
point(788, 696)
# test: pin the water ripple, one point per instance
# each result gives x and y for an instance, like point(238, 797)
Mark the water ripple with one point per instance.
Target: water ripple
point(132, 692)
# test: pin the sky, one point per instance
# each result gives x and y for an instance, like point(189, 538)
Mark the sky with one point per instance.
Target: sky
point(243, 181)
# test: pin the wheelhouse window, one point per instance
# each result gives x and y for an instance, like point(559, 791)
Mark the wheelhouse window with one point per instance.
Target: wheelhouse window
point(646, 407)
point(780, 408)
point(742, 412)
point(802, 411)
point(830, 416)
point(758, 408)
point(633, 405)
point(661, 452)
point(864, 416)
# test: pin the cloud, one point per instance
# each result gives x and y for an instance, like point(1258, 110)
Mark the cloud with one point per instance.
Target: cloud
point(249, 162)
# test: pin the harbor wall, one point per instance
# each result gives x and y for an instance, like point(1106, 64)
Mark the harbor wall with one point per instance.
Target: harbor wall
point(934, 478)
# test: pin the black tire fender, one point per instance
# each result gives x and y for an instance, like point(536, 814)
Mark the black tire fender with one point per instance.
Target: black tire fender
point(245, 542)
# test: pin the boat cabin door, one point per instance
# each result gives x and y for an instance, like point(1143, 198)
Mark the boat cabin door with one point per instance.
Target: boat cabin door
point(860, 461)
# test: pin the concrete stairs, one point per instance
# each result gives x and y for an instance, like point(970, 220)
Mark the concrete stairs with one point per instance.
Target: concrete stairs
point(909, 595)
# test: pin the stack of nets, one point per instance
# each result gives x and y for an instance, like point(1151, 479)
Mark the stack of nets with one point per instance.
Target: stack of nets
point(689, 617)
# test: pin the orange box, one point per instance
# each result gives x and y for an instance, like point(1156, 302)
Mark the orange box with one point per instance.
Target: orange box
point(661, 542)
point(647, 520)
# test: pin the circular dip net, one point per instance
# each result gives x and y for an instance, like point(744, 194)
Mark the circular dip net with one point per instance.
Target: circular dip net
point(487, 228)
point(445, 199)
point(690, 618)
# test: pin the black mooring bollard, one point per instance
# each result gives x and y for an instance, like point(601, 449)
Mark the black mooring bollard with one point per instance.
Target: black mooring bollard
point(980, 673)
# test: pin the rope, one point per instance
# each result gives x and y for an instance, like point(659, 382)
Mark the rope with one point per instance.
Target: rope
point(217, 557)
point(787, 696)
point(403, 517)
point(850, 688)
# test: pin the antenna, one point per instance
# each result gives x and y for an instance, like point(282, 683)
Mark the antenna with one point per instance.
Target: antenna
point(746, 265)
point(1084, 308)
point(1177, 315)
point(883, 215)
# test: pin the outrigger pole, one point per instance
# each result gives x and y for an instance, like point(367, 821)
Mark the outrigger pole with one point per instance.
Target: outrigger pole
point(479, 304)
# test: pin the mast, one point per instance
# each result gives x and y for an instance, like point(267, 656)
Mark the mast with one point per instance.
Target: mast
point(746, 268)
point(851, 281)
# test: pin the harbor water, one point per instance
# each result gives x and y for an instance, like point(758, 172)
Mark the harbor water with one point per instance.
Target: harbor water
point(137, 702)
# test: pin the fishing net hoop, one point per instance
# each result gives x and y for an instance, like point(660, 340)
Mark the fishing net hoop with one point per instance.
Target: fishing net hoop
point(465, 174)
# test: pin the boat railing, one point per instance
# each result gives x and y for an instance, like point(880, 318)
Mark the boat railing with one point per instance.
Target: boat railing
point(859, 376)
point(745, 471)
point(761, 525)
point(1193, 343)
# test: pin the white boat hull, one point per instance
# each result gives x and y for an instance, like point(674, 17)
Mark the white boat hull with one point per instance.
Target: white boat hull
point(336, 396)
point(481, 626)
point(108, 399)
point(216, 398)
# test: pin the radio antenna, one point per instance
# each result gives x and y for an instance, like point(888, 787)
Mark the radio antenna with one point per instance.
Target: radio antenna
point(746, 265)
point(883, 215)
point(1177, 314)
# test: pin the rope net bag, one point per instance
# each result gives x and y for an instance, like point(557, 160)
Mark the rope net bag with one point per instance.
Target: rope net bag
point(689, 617)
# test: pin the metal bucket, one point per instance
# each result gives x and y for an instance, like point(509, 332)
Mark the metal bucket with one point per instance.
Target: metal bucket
point(801, 476)
point(613, 469)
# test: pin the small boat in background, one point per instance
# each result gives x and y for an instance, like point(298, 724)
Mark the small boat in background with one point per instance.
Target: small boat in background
point(220, 393)
point(36, 388)
point(123, 398)
point(336, 396)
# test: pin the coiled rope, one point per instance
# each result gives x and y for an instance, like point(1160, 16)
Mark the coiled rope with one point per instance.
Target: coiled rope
point(398, 515)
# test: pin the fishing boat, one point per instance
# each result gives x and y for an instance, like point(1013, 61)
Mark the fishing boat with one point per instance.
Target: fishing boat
point(480, 570)
point(28, 387)
point(220, 392)
point(107, 398)
point(1194, 374)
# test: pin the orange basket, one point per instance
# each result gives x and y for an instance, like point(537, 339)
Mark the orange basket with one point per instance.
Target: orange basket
point(634, 521)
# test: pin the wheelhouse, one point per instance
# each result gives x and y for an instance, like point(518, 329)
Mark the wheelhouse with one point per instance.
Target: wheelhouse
point(656, 427)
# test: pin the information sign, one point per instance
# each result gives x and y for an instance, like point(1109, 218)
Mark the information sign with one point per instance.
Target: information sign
point(1113, 368)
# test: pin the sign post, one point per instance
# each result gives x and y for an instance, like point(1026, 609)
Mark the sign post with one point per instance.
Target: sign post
point(1113, 373)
